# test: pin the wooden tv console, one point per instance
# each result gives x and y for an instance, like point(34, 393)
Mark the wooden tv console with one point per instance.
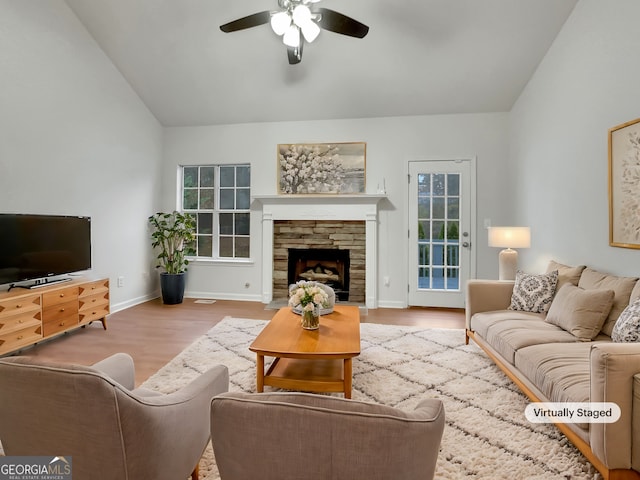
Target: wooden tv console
point(31, 316)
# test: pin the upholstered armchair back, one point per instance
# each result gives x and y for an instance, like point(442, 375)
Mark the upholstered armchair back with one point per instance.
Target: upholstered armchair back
point(110, 432)
point(44, 409)
point(287, 436)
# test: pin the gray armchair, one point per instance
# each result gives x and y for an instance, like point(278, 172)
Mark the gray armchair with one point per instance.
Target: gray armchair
point(299, 436)
point(94, 415)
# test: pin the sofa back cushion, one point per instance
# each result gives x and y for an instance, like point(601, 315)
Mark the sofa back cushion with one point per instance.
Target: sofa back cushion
point(566, 274)
point(580, 312)
point(635, 293)
point(622, 286)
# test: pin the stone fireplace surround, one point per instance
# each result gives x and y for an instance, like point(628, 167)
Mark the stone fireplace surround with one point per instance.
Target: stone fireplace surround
point(333, 208)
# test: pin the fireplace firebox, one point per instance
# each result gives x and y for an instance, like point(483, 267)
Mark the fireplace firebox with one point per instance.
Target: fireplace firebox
point(328, 266)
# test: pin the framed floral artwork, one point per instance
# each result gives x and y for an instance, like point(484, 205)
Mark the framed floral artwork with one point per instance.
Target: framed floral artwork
point(321, 168)
point(624, 185)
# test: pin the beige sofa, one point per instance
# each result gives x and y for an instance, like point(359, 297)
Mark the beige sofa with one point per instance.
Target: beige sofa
point(563, 355)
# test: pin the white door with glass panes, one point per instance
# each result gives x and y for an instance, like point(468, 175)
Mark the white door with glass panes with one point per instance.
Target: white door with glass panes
point(441, 259)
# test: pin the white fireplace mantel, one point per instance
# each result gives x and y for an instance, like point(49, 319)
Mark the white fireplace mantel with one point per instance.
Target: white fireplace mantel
point(362, 207)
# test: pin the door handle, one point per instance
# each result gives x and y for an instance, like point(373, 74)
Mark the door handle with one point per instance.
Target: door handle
point(466, 244)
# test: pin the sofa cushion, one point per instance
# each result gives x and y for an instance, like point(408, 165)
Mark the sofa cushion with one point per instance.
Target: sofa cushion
point(533, 293)
point(627, 327)
point(580, 312)
point(635, 293)
point(566, 274)
point(509, 336)
point(481, 321)
point(622, 286)
point(560, 371)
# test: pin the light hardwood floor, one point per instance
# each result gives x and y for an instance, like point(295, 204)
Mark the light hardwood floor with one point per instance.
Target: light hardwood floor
point(153, 333)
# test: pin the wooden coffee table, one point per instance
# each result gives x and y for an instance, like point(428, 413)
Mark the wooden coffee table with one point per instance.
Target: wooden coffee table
point(309, 360)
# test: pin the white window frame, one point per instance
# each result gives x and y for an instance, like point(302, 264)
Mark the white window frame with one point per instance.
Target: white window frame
point(215, 212)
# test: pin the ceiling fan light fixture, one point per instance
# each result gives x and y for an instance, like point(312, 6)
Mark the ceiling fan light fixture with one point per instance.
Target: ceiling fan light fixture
point(280, 22)
point(301, 15)
point(291, 37)
point(310, 31)
point(296, 23)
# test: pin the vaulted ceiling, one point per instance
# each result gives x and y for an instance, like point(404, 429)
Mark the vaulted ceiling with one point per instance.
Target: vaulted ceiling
point(420, 57)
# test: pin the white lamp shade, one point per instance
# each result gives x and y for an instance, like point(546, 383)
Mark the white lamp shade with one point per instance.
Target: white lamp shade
point(280, 22)
point(510, 237)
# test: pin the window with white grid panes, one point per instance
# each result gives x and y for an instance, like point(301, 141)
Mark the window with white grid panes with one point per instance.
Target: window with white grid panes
point(438, 231)
point(219, 197)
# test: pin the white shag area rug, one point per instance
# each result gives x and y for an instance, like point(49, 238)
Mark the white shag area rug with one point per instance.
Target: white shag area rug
point(486, 435)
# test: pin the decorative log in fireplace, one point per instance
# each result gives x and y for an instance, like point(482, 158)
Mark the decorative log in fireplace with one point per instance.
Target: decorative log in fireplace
point(328, 266)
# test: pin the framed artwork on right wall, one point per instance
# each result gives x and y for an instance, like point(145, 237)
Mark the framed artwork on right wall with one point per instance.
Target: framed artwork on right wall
point(624, 185)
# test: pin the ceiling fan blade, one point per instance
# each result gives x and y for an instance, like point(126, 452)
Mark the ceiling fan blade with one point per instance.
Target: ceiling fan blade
point(247, 22)
point(339, 23)
point(295, 53)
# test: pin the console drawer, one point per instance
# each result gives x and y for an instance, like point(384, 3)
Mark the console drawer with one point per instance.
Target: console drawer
point(59, 296)
point(93, 288)
point(20, 338)
point(60, 325)
point(20, 305)
point(89, 302)
point(97, 313)
point(60, 311)
point(9, 324)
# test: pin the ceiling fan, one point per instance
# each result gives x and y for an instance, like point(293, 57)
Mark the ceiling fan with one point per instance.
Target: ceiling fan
point(296, 22)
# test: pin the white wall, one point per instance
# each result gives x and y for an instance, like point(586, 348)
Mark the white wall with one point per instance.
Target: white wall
point(586, 84)
point(391, 143)
point(75, 139)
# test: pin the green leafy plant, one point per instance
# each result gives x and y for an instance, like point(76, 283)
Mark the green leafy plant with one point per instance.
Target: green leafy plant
point(172, 232)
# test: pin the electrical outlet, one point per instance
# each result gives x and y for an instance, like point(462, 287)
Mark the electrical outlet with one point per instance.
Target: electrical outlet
point(120, 281)
point(387, 281)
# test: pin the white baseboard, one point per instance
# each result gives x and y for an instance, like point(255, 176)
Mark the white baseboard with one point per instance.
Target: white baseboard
point(392, 304)
point(133, 302)
point(224, 296)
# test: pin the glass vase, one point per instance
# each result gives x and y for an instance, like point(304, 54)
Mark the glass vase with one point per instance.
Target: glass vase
point(311, 319)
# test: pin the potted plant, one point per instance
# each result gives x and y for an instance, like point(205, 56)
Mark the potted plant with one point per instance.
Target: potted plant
point(171, 233)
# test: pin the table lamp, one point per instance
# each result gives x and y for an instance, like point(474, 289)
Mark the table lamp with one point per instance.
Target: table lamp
point(509, 238)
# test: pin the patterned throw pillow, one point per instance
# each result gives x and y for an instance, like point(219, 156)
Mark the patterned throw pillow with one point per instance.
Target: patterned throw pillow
point(533, 293)
point(627, 327)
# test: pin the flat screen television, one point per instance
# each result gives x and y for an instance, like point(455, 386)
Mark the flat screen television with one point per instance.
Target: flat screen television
point(38, 247)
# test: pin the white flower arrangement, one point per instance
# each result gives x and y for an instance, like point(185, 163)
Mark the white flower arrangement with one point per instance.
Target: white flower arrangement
point(309, 295)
